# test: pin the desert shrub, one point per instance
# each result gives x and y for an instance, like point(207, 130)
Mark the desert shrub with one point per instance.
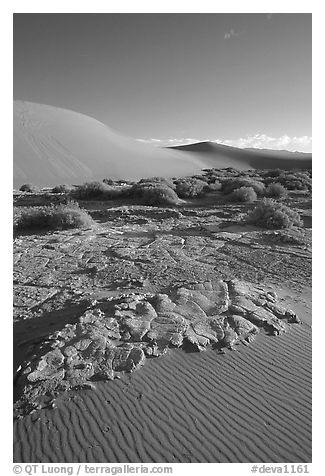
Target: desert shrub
point(28, 187)
point(272, 214)
point(299, 180)
point(276, 190)
point(191, 188)
point(54, 217)
point(154, 193)
point(62, 189)
point(99, 191)
point(160, 180)
point(244, 194)
point(231, 184)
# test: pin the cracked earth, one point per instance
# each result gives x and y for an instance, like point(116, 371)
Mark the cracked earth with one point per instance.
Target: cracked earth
point(77, 279)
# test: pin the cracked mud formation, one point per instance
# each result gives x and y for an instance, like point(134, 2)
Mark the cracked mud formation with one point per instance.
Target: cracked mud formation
point(101, 344)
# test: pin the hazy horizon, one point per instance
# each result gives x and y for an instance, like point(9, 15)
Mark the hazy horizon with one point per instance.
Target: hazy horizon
point(239, 79)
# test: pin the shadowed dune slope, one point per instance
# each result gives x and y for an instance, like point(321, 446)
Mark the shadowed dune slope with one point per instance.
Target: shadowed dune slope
point(213, 153)
point(253, 405)
point(53, 145)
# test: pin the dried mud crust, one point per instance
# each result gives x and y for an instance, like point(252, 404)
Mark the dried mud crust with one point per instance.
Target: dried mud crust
point(167, 247)
point(118, 335)
point(118, 285)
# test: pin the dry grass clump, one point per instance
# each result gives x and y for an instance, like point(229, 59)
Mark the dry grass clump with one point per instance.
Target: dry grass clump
point(52, 217)
point(273, 215)
point(154, 194)
point(244, 194)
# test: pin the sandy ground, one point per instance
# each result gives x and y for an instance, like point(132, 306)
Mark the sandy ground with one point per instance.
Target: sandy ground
point(253, 405)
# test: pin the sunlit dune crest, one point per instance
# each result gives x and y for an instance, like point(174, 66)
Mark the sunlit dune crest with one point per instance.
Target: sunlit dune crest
point(54, 145)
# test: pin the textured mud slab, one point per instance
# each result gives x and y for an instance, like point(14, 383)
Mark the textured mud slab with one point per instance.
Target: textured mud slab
point(104, 343)
point(151, 250)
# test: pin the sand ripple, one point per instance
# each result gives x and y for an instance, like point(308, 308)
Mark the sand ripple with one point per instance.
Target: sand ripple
point(253, 405)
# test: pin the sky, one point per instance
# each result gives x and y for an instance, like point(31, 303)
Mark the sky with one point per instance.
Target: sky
point(240, 79)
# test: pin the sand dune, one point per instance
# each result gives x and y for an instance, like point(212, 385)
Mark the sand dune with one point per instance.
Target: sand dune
point(213, 153)
point(253, 405)
point(54, 145)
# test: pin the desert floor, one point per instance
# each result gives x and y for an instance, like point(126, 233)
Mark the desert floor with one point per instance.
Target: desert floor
point(248, 405)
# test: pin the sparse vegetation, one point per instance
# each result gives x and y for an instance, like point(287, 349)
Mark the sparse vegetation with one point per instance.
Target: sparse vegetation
point(28, 187)
point(292, 180)
point(244, 194)
point(52, 217)
point(272, 214)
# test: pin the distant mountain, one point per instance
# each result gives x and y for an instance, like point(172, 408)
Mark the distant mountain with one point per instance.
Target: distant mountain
point(54, 145)
point(247, 158)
